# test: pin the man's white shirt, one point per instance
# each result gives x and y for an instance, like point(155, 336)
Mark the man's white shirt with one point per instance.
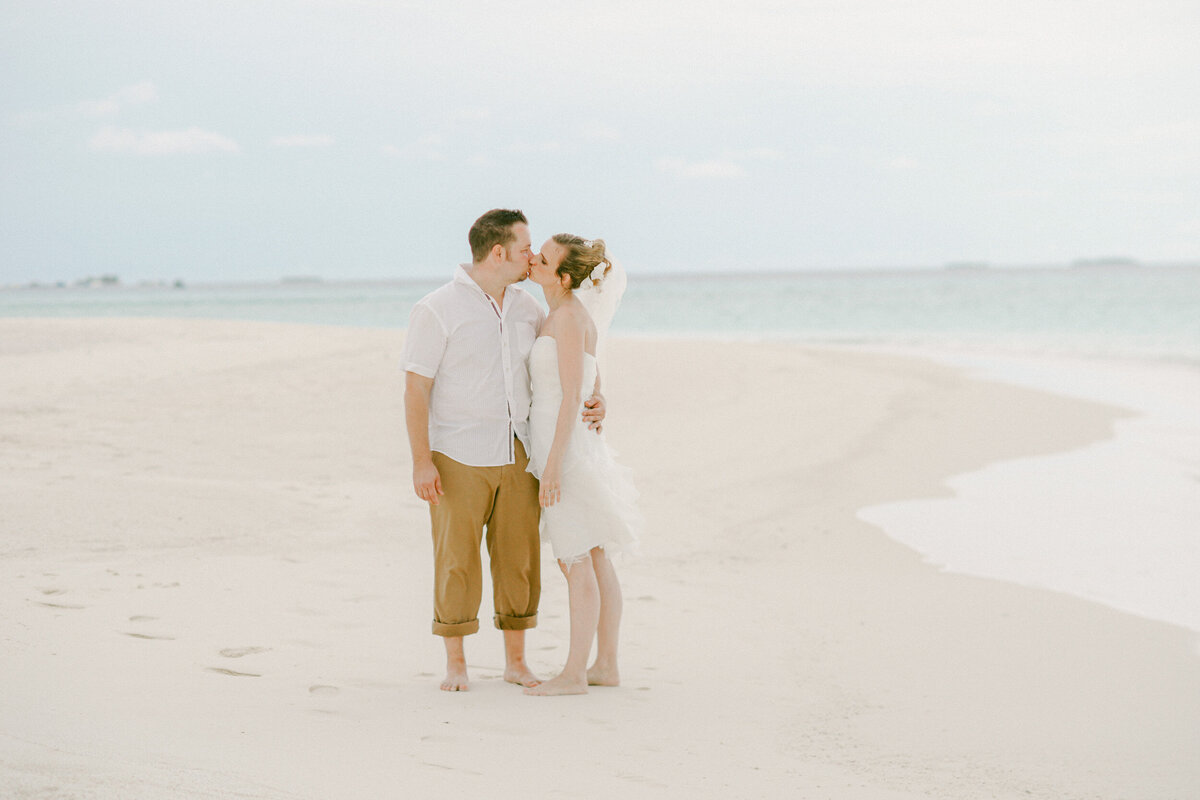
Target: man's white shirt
point(477, 353)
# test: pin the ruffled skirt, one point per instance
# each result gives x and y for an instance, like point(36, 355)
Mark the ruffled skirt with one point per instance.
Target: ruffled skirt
point(599, 500)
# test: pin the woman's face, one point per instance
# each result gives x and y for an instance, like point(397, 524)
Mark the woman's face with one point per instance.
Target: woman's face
point(546, 262)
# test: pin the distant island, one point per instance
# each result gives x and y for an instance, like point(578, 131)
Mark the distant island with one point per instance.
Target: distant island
point(1106, 261)
point(100, 282)
point(966, 265)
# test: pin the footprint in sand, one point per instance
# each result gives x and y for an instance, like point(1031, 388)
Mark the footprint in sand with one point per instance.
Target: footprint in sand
point(364, 598)
point(149, 636)
point(141, 618)
point(238, 652)
point(323, 689)
point(232, 673)
point(48, 592)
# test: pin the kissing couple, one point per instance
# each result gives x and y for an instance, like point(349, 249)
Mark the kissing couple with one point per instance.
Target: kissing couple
point(505, 416)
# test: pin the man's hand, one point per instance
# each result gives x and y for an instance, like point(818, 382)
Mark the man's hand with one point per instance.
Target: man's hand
point(594, 411)
point(427, 482)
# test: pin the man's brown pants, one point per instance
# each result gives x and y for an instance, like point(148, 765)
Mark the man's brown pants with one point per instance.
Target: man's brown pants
point(504, 500)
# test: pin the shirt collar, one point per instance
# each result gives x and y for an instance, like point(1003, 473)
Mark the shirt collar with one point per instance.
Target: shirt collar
point(462, 276)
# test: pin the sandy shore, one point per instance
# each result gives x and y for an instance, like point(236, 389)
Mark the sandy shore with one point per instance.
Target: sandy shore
point(214, 582)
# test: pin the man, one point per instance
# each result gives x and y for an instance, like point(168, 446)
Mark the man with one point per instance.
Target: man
point(466, 403)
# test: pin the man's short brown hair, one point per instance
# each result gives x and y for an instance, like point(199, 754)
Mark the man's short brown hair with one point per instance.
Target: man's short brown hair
point(493, 228)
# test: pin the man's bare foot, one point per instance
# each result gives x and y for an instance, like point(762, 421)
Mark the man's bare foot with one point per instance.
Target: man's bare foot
point(522, 676)
point(560, 685)
point(603, 676)
point(456, 680)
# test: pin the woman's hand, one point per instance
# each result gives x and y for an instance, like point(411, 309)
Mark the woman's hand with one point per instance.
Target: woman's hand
point(551, 486)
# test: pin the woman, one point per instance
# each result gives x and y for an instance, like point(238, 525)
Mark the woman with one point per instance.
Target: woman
point(587, 499)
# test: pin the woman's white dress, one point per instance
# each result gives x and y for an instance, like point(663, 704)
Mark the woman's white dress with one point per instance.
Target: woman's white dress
point(598, 505)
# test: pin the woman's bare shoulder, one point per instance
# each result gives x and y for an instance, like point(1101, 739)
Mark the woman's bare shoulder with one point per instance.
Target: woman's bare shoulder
point(581, 320)
point(578, 314)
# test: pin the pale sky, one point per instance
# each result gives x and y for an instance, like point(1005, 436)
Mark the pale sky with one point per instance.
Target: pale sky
point(252, 140)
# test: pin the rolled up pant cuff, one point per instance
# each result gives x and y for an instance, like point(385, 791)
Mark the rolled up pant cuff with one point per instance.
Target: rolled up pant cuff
point(507, 623)
point(455, 628)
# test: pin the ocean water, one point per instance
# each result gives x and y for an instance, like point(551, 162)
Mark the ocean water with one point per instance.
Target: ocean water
point(1117, 522)
point(1107, 312)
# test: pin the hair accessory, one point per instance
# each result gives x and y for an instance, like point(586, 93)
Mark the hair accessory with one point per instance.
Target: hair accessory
point(594, 281)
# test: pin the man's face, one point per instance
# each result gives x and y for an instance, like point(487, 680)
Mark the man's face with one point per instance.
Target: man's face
point(519, 253)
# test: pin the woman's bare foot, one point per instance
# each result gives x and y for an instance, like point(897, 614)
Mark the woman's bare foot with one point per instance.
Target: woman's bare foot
point(456, 679)
point(603, 676)
point(562, 684)
point(522, 676)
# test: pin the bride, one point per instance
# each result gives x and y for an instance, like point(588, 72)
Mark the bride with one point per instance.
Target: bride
point(588, 512)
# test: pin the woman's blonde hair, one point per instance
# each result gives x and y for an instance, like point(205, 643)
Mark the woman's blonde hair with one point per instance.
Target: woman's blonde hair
point(582, 258)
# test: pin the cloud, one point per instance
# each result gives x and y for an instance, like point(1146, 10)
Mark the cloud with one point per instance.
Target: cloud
point(303, 140)
point(428, 147)
point(729, 165)
point(902, 164)
point(133, 95)
point(1179, 135)
point(1166, 148)
point(471, 115)
point(601, 133)
point(155, 143)
point(714, 168)
point(545, 146)
point(98, 108)
point(756, 154)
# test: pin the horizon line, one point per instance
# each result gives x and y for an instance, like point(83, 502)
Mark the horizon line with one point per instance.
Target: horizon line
point(113, 281)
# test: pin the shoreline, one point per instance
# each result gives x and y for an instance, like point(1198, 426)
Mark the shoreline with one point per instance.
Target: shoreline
point(216, 575)
point(1074, 513)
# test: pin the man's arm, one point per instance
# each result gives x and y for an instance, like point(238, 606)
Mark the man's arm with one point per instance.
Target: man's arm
point(594, 409)
point(427, 483)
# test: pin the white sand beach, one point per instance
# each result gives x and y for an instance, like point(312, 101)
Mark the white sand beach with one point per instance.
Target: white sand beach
point(215, 582)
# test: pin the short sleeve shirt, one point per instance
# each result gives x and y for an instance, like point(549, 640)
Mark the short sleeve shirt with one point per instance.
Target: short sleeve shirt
point(477, 352)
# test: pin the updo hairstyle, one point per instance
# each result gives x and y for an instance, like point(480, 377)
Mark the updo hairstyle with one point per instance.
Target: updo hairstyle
point(582, 258)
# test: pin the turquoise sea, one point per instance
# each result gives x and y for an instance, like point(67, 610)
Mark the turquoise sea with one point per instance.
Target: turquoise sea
point(1130, 312)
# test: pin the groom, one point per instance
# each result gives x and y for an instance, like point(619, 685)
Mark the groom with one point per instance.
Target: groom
point(466, 403)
